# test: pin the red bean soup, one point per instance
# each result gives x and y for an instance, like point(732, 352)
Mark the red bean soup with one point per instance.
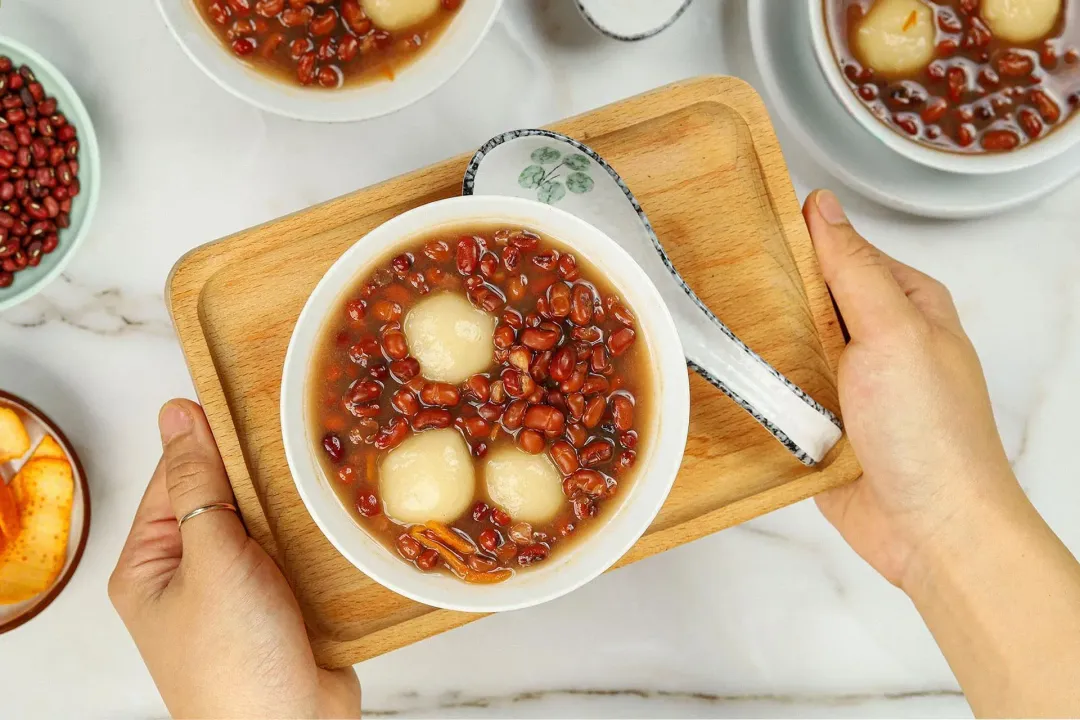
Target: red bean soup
point(481, 459)
point(328, 43)
point(965, 76)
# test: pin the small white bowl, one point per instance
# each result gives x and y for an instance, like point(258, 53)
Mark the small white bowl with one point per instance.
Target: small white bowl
point(428, 72)
point(656, 467)
point(1055, 144)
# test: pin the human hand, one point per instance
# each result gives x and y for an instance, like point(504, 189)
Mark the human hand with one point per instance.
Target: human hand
point(915, 404)
point(217, 624)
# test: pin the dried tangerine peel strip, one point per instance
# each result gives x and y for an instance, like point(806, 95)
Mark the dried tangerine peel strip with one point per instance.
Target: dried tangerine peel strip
point(451, 539)
point(421, 534)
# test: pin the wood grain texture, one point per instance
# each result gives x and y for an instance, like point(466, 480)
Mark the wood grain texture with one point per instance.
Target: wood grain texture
point(702, 158)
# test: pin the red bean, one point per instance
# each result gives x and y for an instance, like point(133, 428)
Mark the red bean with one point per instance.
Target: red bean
point(395, 345)
point(405, 403)
point(405, 370)
point(442, 394)
point(477, 427)
point(516, 383)
point(595, 384)
point(558, 299)
point(479, 388)
point(532, 554)
point(539, 339)
point(428, 559)
point(392, 435)
point(499, 517)
point(625, 462)
point(564, 457)
point(594, 411)
point(409, 547)
point(546, 419)
point(489, 539)
point(468, 255)
point(596, 453)
point(432, 418)
point(1000, 140)
point(531, 442)
point(622, 411)
point(620, 341)
point(514, 415)
point(332, 445)
point(581, 305)
point(480, 512)
point(368, 505)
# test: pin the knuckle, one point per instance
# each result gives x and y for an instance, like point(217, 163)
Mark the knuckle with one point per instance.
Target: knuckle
point(185, 475)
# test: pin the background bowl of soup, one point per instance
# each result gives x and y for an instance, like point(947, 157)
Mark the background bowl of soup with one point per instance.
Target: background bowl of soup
point(661, 381)
point(330, 61)
point(965, 87)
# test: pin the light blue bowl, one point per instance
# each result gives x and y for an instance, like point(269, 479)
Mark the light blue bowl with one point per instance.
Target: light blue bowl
point(30, 281)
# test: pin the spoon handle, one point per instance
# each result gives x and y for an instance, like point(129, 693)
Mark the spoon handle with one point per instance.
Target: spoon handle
point(806, 428)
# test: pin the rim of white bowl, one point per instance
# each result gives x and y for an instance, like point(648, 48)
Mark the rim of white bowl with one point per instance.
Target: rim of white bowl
point(428, 72)
point(1060, 141)
point(90, 163)
point(656, 469)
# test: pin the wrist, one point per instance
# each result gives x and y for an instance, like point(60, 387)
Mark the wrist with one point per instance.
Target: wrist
point(968, 537)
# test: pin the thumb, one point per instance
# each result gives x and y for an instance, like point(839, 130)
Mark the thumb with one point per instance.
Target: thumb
point(195, 477)
point(858, 274)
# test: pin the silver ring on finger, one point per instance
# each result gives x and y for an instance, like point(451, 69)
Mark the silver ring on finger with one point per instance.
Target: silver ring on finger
point(205, 509)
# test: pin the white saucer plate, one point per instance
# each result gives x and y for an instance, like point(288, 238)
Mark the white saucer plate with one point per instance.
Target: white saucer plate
point(800, 96)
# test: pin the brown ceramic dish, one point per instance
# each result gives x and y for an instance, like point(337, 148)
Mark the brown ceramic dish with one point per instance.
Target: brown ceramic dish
point(38, 424)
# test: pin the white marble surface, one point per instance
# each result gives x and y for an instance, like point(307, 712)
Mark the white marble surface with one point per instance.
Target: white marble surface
point(773, 618)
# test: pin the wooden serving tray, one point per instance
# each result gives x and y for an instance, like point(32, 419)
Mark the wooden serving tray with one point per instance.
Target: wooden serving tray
point(703, 160)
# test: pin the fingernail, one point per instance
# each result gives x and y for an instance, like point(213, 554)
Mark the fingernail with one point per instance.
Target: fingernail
point(831, 210)
point(174, 420)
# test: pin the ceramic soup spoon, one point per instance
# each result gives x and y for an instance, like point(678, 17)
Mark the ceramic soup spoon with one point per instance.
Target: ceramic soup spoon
point(631, 20)
point(556, 169)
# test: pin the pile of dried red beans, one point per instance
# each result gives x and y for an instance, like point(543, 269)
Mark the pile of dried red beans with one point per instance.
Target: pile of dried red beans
point(980, 94)
point(39, 170)
point(565, 378)
point(315, 41)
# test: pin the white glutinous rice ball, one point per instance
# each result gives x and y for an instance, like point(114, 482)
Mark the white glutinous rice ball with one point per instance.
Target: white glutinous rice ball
point(394, 15)
point(528, 487)
point(428, 477)
point(1021, 21)
point(450, 338)
point(897, 37)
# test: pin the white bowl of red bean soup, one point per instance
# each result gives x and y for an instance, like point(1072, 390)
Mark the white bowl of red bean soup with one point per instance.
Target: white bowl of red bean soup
point(330, 60)
point(964, 86)
point(484, 403)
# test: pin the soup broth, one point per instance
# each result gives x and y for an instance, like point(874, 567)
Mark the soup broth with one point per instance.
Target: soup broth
point(328, 43)
point(961, 75)
point(477, 401)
